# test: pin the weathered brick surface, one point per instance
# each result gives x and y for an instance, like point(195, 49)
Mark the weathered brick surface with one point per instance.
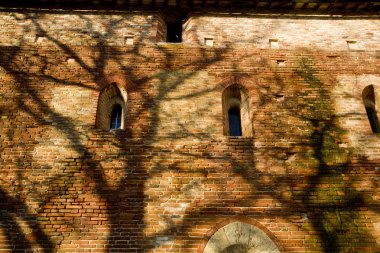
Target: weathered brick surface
point(80, 28)
point(291, 31)
point(309, 175)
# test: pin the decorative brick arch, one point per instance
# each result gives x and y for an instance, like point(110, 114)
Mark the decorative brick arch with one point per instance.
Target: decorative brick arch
point(243, 80)
point(118, 78)
point(114, 89)
point(242, 92)
point(364, 81)
point(361, 84)
point(240, 235)
point(247, 82)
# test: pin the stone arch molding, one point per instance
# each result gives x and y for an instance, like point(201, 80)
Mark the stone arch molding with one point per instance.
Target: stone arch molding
point(240, 237)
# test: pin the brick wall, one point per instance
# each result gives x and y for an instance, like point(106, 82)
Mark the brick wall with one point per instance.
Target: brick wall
point(80, 28)
point(308, 176)
point(324, 32)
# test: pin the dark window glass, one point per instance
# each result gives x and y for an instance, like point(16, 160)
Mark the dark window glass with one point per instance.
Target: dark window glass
point(369, 103)
point(116, 117)
point(373, 120)
point(234, 121)
point(174, 32)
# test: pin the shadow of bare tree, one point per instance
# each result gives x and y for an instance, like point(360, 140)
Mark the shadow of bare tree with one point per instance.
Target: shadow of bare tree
point(151, 185)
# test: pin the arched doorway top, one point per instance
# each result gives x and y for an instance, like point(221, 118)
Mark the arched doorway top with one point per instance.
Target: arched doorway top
point(240, 237)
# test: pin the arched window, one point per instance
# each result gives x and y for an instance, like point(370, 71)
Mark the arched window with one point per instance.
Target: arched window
point(116, 116)
point(112, 107)
point(368, 95)
point(237, 119)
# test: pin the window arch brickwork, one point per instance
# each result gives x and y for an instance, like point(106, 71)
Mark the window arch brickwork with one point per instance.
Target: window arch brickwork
point(110, 96)
point(236, 101)
point(240, 92)
point(351, 115)
point(362, 88)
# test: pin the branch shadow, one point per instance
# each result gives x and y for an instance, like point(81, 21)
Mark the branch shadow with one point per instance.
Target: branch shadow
point(126, 201)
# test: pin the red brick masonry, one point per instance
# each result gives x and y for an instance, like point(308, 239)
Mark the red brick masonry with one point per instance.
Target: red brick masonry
point(309, 175)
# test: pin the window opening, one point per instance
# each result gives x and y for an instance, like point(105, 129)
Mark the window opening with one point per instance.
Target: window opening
point(352, 45)
point(209, 42)
point(236, 114)
point(234, 121)
point(372, 117)
point(116, 115)
point(174, 32)
point(112, 106)
point(370, 107)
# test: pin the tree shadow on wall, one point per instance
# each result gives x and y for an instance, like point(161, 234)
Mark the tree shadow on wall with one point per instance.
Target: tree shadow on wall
point(335, 209)
point(114, 172)
point(124, 203)
point(326, 198)
point(19, 237)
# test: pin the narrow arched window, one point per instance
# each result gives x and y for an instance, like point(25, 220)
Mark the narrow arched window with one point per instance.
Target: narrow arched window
point(370, 107)
point(112, 107)
point(234, 121)
point(236, 113)
point(116, 116)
